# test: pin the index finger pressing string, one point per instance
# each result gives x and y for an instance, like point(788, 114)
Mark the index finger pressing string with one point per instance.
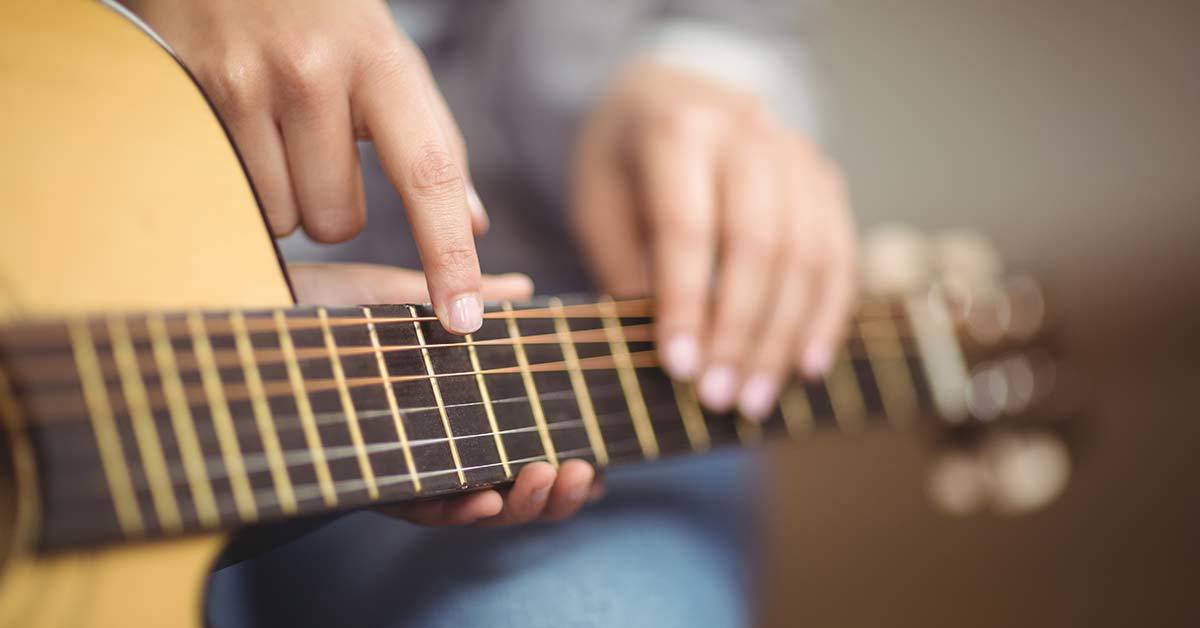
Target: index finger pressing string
point(416, 154)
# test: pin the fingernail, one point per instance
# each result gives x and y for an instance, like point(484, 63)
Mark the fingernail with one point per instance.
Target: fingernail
point(758, 396)
point(539, 495)
point(476, 205)
point(681, 357)
point(817, 360)
point(718, 387)
point(466, 314)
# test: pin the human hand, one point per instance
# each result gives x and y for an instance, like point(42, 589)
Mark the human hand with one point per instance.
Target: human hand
point(540, 491)
point(678, 179)
point(296, 83)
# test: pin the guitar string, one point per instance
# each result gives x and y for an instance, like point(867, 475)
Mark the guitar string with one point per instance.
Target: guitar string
point(257, 462)
point(227, 357)
point(285, 423)
point(310, 492)
point(257, 321)
point(302, 458)
point(541, 367)
point(265, 497)
point(350, 485)
point(282, 389)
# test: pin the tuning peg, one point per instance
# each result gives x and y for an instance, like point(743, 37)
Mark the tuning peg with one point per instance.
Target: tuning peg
point(1028, 471)
point(1009, 385)
point(1008, 473)
point(896, 259)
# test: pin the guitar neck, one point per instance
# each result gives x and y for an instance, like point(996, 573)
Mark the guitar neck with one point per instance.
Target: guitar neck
point(160, 424)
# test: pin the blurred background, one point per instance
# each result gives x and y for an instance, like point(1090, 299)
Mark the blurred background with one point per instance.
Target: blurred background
point(1068, 132)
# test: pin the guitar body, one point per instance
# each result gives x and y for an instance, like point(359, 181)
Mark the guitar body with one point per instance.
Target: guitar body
point(109, 203)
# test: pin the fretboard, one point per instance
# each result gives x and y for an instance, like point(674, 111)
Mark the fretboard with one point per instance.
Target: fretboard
point(152, 425)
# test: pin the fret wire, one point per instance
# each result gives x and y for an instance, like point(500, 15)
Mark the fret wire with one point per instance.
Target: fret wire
point(486, 400)
point(628, 379)
point(112, 456)
point(535, 403)
point(310, 491)
point(578, 383)
point(312, 436)
point(845, 395)
point(437, 398)
point(145, 432)
point(262, 413)
point(896, 388)
point(335, 363)
point(300, 457)
point(182, 422)
point(340, 452)
point(350, 486)
point(274, 388)
point(266, 496)
point(222, 420)
point(393, 407)
point(693, 417)
point(797, 411)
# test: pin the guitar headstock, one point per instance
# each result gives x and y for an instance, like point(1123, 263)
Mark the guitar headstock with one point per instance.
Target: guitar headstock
point(1012, 368)
point(995, 373)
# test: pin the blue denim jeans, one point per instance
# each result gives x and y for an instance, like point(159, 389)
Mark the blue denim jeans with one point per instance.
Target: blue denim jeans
point(666, 548)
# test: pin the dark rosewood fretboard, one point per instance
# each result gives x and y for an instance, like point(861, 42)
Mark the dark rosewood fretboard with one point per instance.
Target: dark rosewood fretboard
point(157, 424)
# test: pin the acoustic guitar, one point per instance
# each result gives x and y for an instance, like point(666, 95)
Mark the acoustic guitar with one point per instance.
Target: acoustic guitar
point(159, 388)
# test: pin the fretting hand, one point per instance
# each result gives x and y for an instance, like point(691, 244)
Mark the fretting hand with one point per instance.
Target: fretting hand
point(296, 82)
point(689, 190)
point(539, 492)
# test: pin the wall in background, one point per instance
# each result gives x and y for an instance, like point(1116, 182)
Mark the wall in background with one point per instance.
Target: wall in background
point(1070, 132)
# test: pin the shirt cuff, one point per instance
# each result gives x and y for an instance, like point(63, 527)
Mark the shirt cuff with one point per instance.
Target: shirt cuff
point(782, 79)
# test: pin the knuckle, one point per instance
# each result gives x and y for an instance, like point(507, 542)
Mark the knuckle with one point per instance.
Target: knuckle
point(305, 76)
point(683, 122)
point(233, 84)
point(809, 254)
point(683, 229)
point(458, 261)
point(750, 245)
point(435, 175)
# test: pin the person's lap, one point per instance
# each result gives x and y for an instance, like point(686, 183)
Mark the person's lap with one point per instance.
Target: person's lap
point(666, 548)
